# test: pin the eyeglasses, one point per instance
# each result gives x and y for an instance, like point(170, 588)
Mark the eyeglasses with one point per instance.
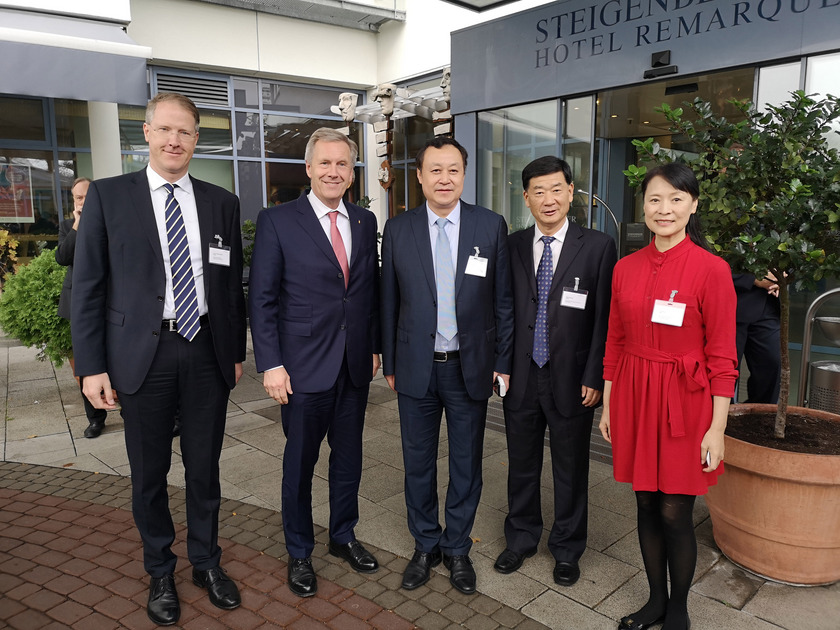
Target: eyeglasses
point(183, 135)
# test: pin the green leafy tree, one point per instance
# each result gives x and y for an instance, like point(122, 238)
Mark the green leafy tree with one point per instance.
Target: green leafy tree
point(770, 194)
point(29, 308)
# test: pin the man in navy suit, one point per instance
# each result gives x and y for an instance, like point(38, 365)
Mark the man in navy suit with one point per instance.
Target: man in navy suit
point(314, 297)
point(158, 314)
point(561, 285)
point(447, 320)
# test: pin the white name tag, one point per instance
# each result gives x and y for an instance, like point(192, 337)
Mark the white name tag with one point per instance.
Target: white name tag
point(573, 299)
point(668, 313)
point(219, 255)
point(476, 266)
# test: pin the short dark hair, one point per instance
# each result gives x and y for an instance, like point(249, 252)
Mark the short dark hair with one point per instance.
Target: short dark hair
point(546, 165)
point(439, 143)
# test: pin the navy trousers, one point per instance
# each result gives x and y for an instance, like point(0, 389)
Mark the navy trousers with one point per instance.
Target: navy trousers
point(420, 420)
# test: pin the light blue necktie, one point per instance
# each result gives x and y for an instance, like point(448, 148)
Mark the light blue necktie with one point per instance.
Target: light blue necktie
point(544, 275)
point(183, 283)
point(445, 280)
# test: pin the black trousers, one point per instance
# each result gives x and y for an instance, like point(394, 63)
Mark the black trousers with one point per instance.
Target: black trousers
point(569, 444)
point(184, 376)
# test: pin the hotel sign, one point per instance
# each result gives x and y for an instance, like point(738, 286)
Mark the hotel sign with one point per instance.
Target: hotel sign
point(578, 46)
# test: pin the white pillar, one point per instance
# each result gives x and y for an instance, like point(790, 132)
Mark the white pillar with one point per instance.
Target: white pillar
point(104, 122)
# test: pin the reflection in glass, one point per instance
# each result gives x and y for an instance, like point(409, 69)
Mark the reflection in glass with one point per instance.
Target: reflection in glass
point(286, 182)
point(823, 77)
point(286, 136)
point(22, 119)
point(248, 136)
point(576, 150)
point(246, 93)
point(214, 137)
point(508, 139)
point(28, 206)
point(71, 124)
point(288, 98)
point(131, 128)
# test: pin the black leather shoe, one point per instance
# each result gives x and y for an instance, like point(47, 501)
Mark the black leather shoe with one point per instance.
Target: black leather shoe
point(510, 561)
point(417, 572)
point(461, 573)
point(628, 623)
point(302, 580)
point(163, 607)
point(359, 558)
point(566, 573)
point(94, 430)
point(222, 590)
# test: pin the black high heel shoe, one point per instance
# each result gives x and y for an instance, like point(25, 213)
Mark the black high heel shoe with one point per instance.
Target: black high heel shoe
point(628, 623)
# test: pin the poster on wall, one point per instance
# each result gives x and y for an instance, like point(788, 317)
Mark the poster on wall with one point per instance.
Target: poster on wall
point(16, 194)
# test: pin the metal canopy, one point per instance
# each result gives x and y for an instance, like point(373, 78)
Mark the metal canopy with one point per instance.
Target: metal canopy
point(480, 5)
point(356, 15)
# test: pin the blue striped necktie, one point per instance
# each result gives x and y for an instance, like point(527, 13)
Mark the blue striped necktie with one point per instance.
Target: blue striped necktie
point(445, 280)
point(544, 275)
point(183, 283)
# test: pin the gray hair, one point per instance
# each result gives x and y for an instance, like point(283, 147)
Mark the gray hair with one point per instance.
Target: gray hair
point(326, 134)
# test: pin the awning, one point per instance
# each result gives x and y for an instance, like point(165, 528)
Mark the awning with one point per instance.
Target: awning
point(63, 57)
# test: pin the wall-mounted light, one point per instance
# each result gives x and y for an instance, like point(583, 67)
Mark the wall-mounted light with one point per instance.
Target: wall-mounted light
point(660, 65)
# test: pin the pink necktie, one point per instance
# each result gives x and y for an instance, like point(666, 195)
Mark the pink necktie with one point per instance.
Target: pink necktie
point(338, 247)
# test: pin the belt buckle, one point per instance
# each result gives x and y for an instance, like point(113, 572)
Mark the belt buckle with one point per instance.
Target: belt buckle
point(173, 325)
point(445, 357)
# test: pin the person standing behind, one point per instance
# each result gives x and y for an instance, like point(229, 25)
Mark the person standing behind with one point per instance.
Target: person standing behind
point(447, 319)
point(669, 373)
point(757, 335)
point(158, 313)
point(314, 308)
point(64, 253)
point(561, 287)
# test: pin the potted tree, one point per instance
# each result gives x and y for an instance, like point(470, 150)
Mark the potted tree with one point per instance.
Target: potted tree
point(29, 308)
point(770, 201)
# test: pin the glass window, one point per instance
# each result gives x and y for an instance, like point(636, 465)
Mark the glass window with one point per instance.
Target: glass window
point(71, 124)
point(285, 181)
point(248, 135)
point(823, 77)
point(577, 149)
point(250, 189)
point(131, 128)
point(214, 134)
point(775, 83)
point(22, 119)
point(508, 139)
point(246, 93)
point(286, 137)
point(219, 172)
point(287, 98)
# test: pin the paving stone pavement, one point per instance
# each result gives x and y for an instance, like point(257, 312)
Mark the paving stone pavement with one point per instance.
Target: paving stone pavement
point(68, 546)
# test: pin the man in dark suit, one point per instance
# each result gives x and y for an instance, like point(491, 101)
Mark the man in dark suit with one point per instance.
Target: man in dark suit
point(64, 253)
point(447, 319)
point(561, 283)
point(758, 328)
point(158, 314)
point(314, 308)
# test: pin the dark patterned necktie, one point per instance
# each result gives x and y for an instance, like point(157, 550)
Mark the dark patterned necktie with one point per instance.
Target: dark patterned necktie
point(183, 283)
point(544, 274)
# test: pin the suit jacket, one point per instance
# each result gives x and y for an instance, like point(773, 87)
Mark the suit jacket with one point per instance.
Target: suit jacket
point(754, 303)
point(302, 317)
point(577, 338)
point(483, 305)
point(64, 256)
point(119, 280)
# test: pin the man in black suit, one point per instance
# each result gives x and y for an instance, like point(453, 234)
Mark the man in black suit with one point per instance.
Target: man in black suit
point(314, 297)
point(757, 330)
point(447, 320)
point(561, 284)
point(158, 313)
point(64, 254)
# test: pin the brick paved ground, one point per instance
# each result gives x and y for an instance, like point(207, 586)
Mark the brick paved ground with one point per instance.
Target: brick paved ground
point(70, 557)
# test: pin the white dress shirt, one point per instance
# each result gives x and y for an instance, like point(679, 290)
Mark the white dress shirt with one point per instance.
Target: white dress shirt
point(186, 199)
point(452, 229)
point(556, 245)
point(342, 221)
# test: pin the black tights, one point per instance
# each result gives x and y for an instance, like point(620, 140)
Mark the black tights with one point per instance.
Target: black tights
point(668, 543)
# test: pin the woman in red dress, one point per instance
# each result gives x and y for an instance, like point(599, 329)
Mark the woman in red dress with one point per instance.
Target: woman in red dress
point(669, 371)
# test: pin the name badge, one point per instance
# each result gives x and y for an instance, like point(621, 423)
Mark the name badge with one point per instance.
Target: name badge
point(668, 312)
point(476, 265)
point(219, 254)
point(574, 298)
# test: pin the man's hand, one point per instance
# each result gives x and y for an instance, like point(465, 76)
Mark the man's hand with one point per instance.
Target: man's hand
point(278, 385)
point(389, 378)
point(77, 214)
point(591, 397)
point(97, 389)
point(237, 372)
point(769, 283)
point(376, 364)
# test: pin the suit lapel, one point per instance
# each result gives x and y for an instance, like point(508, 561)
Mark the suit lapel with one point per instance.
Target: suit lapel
point(355, 233)
point(525, 253)
point(420, 227)
point(310, 224)
point(571, 247)
point(141, 197)
point(466, 243)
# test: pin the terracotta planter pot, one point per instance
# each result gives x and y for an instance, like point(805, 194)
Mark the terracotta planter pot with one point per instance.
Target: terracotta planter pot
point(777, 513)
